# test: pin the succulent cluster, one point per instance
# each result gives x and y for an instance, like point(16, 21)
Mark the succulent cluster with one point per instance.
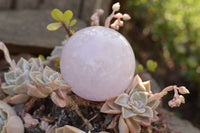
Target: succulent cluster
point(9, 121)
point(29, 79)
point(138, 105)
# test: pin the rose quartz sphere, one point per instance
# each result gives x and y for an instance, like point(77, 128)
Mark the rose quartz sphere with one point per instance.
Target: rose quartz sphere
point(98, 63)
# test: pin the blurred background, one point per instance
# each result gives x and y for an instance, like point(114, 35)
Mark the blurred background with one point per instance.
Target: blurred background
point(165, 31)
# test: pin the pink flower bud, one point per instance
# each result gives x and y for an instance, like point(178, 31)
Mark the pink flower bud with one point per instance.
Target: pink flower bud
point(121, 23)
point(182, 99)
point(177, 102)
point(100, 11)
point(126, 17)
point(116, 6)
point(118, 15)
point(183, 90)
point(112, 26)
point(171, 103)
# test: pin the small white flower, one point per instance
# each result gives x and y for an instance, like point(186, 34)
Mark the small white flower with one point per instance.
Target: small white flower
point(116, 6)
point(182, 99)
point(119, 15)
point(126, 17)
point(121, 23)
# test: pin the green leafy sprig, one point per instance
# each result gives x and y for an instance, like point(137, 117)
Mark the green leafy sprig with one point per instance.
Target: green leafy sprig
point(151, 66)
point(64, 19)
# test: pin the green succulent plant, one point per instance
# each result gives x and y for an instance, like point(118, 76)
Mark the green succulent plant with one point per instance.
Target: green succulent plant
point(29, 79)
point(9, 121)
point(63, 19)
point(137, 106)
point(17, 78)
point(53, 60)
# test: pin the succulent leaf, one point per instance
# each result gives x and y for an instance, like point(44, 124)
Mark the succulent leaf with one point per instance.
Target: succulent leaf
point(153, 104)
point(139, 98)
point(145, 121)
point(54, 26)
point(110, 107)
point(10, 122)
point(68, 16)
point(123, 128)
point(133, 126)
point(138, 87)
point(59, 101)
point(18, 99)
point(148, 112)
point(151, 65)
point(34, 91)
point(122, 100)
point(147, 85)
point(73, 22)
point(127, 113)
point(57, 15)
point(68, 129)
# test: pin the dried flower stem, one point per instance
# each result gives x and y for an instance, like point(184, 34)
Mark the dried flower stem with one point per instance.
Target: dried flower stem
point(95, 116)
point(74, 106)
point(177, 99)
point(109, 18)
point(67, 28)
point(28, 106)
point(51, 129)
point(86, 121)
point(7, 55)
point(96, 17)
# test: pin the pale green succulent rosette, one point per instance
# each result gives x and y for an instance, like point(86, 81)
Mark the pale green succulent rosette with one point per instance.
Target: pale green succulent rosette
point(17, 78)
point(29, 79)
point(9, 121)
point(136, 107)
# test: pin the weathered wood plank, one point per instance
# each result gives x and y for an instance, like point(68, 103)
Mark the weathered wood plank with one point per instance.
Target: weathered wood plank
point(28, 28)
point(5, 4)
point(62, 5)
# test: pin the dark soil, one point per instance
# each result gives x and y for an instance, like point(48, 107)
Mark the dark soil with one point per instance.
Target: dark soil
point(64, 116)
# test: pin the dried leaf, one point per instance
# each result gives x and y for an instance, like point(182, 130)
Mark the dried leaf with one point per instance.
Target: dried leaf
point(29, 121)
point(18, 99)
point(68, 129)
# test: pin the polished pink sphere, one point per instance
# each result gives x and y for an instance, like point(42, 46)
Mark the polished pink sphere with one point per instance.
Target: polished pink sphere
point(98, 63)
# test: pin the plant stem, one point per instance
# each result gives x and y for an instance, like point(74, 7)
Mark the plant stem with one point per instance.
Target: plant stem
point(7, 55)
point(109, 18)
point(67, 28)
